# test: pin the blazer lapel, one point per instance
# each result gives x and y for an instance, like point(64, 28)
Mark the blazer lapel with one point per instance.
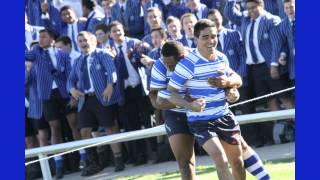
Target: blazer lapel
point(261, 28)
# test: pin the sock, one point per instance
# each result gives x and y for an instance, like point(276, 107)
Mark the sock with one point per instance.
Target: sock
point(58, 161)
point(117, 155)
point(254, 165)
point(83, 155)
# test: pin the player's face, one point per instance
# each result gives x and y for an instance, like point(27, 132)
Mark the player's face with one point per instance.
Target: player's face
point(170, 63)
point(217, 19)
point(45, 40)
point(188, 25)
point(289, 9)
point(86, 43)
point(207, 41)
point(157, 40)
point(117, 33)
point(68, 16)
point(253, 9)
point(154, 19)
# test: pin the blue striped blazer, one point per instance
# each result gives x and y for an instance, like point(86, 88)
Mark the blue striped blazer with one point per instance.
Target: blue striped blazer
point(135, 61)
point(233, 48)
point(285, 43)
point(204, 9)
point(35, 104)
point(132, 20)
point(267, 25)
point(275, 7)
point(102, 72)
point(184, 41)
point(92, 21)
point(176, 10)
point(33, 10)
point(45, 74)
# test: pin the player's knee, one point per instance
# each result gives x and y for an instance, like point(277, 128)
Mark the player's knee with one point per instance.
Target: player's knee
point(221, 160)
point(237, 163)
point(85, 133)
point(186, 168)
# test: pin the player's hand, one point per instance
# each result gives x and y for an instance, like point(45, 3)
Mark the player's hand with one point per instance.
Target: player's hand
point(274, 72)
point(232, 95)
point(198, 105)
point(282, 60)
point(221, 81)
point(76, 94)
point(107, 93)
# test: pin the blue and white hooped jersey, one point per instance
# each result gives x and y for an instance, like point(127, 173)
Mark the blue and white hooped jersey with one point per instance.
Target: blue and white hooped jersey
point(160, 77)
point(192, 73)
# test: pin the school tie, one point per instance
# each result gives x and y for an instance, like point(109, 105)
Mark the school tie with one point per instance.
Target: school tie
point(123, 71)
point(86, 78)
point(252, 49)
point(88, 21)
point(193, 45)
point(219, 48)
point(293, 27)
point(73, 38)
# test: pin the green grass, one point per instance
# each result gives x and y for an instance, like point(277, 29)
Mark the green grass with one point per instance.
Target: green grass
point(277, 170)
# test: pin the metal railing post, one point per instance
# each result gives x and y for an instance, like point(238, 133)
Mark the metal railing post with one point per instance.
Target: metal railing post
point(45, 168)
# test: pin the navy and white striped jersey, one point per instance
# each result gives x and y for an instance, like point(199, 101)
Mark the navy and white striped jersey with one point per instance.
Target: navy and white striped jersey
point(192, 73)
point(160, 77)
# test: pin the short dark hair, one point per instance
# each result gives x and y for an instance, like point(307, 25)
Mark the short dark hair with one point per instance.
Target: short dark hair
point(161, 31)
point(115, 23)
point(65, 40)
point(213, 11)
point(102, 27)
point(90, 4)
point(49, 32)
point(201, 25)
point(173, 48)
point(259, 2)
point(66, 7)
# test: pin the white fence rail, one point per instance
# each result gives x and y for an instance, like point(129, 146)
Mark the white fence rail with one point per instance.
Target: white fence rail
point(42, 152)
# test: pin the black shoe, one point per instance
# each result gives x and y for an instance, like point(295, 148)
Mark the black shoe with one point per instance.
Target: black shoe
point(119, 168)
point(59, 173)
point(91, 170)
point(140, 161)
point(119, 165)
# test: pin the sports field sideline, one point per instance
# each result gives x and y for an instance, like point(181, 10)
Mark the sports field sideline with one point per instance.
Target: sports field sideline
point(275, 152)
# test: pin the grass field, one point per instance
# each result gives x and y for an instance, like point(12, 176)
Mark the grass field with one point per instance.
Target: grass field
point(277, 170)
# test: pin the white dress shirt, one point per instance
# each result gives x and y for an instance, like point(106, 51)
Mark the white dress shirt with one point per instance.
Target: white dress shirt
point(89, 63)
point(133, 79)
point(53, 58)
point(249, 59)
point(75, 31)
